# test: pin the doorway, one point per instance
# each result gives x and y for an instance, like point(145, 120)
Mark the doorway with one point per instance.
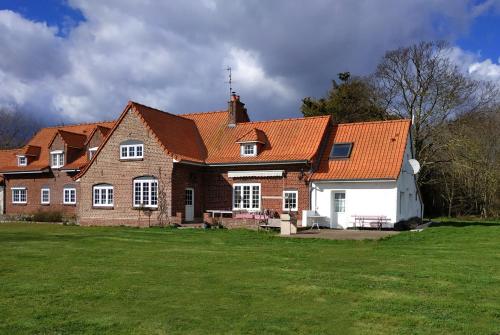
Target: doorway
point(189, 204)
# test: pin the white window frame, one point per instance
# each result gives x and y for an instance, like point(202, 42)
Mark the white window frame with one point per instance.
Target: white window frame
point(335, 201)
point(107, 191)
point(296, 193)
point(58, 162)
point(92, 152)
point(251, 152)
point(70, 190)
point(240, 205)
point(22, 161)
point(151, 195)
point(19, 201)
point(131, 149)
point(48, 195)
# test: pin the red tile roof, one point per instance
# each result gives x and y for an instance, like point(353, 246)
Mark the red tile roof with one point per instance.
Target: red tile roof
point(6, 157)
point(73, 140)
point(286, 140)
point(72, 133)
point(254, 135)
point(377, 152)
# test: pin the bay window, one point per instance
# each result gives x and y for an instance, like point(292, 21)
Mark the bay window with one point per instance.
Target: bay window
point(246, 197)
point(146, 192)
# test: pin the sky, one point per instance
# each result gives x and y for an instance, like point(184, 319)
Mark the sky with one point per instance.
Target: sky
point(66, 61)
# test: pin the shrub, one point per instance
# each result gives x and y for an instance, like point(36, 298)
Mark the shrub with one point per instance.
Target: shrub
point(48, 216)
point(408, 224)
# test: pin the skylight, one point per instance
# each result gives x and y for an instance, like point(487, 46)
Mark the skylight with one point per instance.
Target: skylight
point(341, 150)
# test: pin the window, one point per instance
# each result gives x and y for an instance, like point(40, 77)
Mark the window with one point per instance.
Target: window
point(341, 150)
point(69, 196)
point(290, 200)
point(103, 196)
point(246, 197)
point(249, 149)
point(22, 161)
point(131, 151)
point(19, 195)
point(45, 196)
point(146, 192)
point(188, 196)
point(57, 159)
point(339, 202)
point(92, 152)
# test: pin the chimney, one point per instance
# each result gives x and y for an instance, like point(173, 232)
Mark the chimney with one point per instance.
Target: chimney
point(237, 112)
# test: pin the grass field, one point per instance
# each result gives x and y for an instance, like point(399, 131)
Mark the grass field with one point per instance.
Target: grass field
point(74, 280)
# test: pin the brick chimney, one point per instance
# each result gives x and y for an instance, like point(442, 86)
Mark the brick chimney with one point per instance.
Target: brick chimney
point(237, 112)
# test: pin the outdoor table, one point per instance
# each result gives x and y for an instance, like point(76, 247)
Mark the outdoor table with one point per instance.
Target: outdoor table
point(315, 219)
point(219, 211)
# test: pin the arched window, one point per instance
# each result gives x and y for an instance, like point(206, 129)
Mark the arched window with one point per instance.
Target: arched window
point(103, 195)
point(145, 192)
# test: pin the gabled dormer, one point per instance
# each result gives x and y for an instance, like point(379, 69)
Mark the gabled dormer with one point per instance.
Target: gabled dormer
point(28, 154)
point(94, 140)
point(251, 143)
point(65, 147)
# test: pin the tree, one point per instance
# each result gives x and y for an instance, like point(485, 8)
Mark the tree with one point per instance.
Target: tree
point(16, 129)
point(352, 100)
point(421, 83)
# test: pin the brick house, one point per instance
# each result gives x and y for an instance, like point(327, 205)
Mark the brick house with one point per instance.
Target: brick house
point(39, 176)
point(193, 163)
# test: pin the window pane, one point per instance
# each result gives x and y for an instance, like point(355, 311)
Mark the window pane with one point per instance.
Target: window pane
point(137, 194)
point(124, 151)
point(139, 151)
point(154, 193)
point(341, 150)
point(237, 197)
point(339, 202)
point(131, 151)
point(145, 193)
point(110, 196)
point(255, 197)
point(246, 196)
point(96, 196)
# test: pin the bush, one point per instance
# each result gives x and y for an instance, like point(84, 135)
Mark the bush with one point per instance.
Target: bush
point(48, 216)
point(408, 224)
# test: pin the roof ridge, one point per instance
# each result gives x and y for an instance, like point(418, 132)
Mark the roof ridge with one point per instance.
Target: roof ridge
point(287, 119)
point(209, 112)
point(372, 122)
point(79, 124)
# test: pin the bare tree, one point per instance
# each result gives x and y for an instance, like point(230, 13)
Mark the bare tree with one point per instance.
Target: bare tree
point(15, 128)
point(420, 82)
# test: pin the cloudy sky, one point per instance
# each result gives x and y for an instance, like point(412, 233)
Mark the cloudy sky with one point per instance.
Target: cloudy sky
point(82, 60)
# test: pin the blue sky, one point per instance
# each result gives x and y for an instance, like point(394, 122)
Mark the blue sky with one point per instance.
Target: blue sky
point(82, 60)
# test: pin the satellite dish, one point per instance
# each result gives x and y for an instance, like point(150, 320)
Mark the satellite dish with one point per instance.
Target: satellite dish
point(415, 165)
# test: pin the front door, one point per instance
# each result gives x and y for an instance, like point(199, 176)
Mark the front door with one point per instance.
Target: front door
point(338, 209)
point(189, 204)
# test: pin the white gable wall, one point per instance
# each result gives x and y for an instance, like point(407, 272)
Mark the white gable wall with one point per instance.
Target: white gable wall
point(409, 202)
point(377, 198)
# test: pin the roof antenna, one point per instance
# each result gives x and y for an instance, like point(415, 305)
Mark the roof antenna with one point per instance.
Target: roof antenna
point(230, 82)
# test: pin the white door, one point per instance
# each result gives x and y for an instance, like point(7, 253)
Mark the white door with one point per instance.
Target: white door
point(338, 209)
point(189, 204)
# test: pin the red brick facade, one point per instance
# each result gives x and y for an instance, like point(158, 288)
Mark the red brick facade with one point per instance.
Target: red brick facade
point(55, 181)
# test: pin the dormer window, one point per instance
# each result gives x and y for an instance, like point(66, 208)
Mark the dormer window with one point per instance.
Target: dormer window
point(92, 152)
point(131, 150)
point(341, 150)
point(248, 149)
point(22, 161)
point(57, 159)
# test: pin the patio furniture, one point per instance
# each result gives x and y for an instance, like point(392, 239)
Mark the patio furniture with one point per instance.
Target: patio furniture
point(221, 212)
point(373, 221)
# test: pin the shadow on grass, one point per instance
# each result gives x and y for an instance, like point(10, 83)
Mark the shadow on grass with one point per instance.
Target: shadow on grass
point(464, 223)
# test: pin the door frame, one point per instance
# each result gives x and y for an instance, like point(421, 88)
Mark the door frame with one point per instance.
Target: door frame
point(186, 218)
point(334, 216)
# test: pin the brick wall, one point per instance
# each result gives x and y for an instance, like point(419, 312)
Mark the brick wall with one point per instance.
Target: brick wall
point(107, 168)
point(95, 141)
point(188, 176)
point(55, 181)
point(219, 187)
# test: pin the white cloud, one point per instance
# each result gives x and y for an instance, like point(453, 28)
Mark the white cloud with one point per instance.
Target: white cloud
point(173, 54)
point(473, 64)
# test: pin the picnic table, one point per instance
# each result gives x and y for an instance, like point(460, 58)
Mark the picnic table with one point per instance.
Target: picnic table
point(374, 221)
point(221, 212)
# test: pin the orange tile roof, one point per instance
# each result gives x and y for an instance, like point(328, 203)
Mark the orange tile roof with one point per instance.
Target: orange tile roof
point(42, 139)
point(31, 150)
point(254, 135)
point(6, 157)
point(286, 140)
point(377, 152)
point(73, 140)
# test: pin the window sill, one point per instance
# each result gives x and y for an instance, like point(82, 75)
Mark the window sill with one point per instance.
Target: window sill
point(145, 208)
point(131, 159)
point(70, 205)
point(20, 203)
point(45, 204)
point(103, 207)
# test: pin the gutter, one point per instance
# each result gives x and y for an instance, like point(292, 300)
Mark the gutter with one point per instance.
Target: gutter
point(241, 163)
point(25, 172)
point(353, 180)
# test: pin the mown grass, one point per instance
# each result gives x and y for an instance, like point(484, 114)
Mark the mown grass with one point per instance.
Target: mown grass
point(74, 280)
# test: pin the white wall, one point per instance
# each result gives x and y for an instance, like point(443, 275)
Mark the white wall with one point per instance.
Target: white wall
point(362, 198)
point(409, 202)
point(2, 200)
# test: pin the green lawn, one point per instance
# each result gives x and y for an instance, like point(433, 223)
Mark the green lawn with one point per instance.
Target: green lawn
point(74, 280)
